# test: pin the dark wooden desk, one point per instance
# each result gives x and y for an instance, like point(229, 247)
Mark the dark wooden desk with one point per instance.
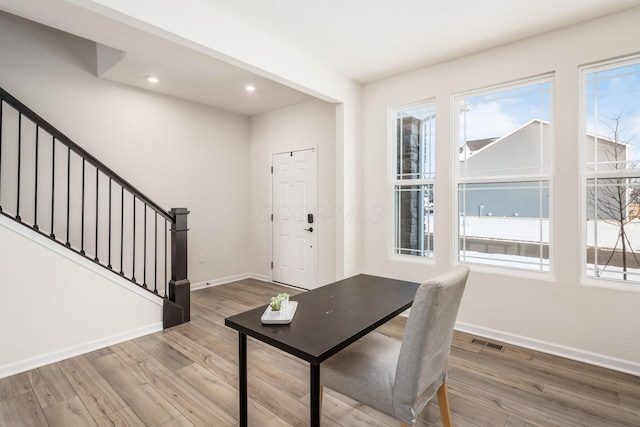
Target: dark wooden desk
point(327, 320)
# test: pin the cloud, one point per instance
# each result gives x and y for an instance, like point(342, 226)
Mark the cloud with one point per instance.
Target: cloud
point(488, 120)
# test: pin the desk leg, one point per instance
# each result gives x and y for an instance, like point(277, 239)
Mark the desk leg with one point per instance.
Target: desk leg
point(242, 377)
point(315, 395)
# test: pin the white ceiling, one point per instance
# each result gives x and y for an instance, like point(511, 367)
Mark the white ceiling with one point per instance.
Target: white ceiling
point(364, 40)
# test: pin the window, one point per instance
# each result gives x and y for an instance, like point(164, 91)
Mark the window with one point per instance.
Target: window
point(413, 177)
point(611, 172)
point(504, 152)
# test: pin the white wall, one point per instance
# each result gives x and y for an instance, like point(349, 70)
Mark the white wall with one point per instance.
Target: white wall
point(552, 312)
point(307, 125)
point(60, 306)
point(202, 27)
point(178, 153)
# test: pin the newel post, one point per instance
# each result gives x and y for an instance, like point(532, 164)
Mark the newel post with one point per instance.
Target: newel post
point(179, 286)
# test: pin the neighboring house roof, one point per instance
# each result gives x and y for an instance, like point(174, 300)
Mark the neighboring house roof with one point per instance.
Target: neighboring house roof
point(477, 144)
point(473, 147)
point(607, 139)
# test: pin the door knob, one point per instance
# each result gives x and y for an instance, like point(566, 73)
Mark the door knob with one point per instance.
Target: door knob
point(309, 229)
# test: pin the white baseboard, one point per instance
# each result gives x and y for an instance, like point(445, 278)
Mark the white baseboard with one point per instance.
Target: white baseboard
point(228, 279)
point(260, 277)
point(217, 282)
point(56, 356)
point(621, 365)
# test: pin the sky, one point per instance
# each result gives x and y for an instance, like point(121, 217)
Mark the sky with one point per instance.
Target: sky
point(609, 93)
point(497, 114)
point(615, 93)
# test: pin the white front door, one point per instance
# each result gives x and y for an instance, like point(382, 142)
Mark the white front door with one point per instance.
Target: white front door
point(295, 228)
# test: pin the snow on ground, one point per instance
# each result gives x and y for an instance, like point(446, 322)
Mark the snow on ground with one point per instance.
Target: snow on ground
point(530, 230)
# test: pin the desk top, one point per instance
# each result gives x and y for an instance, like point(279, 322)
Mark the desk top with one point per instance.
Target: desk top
point(331, 317)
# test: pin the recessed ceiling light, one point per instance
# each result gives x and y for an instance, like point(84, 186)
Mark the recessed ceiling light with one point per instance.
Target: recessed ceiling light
point(250, 88)
point(152, 79)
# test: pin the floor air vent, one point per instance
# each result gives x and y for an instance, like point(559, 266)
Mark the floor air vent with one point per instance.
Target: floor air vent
point(488, 344)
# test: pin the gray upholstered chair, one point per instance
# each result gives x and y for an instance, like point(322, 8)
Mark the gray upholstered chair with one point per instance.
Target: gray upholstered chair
point(400, 378)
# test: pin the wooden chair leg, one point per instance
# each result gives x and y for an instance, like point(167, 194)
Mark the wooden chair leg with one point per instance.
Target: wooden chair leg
point(443, 402)
point(321, 396)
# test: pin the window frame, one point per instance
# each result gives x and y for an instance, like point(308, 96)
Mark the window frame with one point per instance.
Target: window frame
point(392, 174)
point(548, 178)
point(586, 175)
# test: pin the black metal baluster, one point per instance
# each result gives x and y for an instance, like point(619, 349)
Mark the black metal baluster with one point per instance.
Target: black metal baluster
point(109, 263)
point(19, 152)
point(133, 274)
point(96, 259)
point(165, 259)
point(53, 182)
point(155, 262)
point(68, 192)
point(82, 212)
point(144, 252)
point(88, 161)
point(121, 229)
point(35, 189)
point(1, 126)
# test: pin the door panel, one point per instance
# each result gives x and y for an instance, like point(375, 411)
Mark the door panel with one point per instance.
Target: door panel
point(294, 238)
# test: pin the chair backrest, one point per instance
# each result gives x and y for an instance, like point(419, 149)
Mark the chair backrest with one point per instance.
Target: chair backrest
point(422, 364)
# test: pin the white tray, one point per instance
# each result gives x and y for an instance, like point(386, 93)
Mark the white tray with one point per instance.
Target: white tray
point(282, 317)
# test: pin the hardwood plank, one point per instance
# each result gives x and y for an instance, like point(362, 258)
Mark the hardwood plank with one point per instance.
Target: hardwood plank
point(200, 410)
point(478, 413)
point(188, 376)
point(22, 411)
point(279, 403)
point(14, 386)
point(205, 330)
point(227, 348)
point(69, 413)
point(239, 296)
point(216, 309)
point(394, 328)
point(146, 401)
point(337, 411)
point(515, 422)
point(99, 353)
point(279, 376)
point(213, 386)
point(462, 340)
point(201, 355)
point(97, 395)
point(181, 421)
point(630, 402)
point(516, 401)
point(503, 364)
point(50, 385)
point(123, 417)
point(130, 352)
point(163, 352)
point(593, 407)
point(293, 365)
point(518, 381)
point(259, 416)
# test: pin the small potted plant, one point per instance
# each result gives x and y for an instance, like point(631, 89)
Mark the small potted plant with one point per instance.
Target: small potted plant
point(279, 302)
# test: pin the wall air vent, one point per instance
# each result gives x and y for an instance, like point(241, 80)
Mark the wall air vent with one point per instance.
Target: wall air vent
point(488, 344)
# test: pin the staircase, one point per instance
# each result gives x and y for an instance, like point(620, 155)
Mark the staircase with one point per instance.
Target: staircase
point(54, 187)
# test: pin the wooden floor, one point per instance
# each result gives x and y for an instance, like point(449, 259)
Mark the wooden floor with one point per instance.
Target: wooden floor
point(187, 376)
